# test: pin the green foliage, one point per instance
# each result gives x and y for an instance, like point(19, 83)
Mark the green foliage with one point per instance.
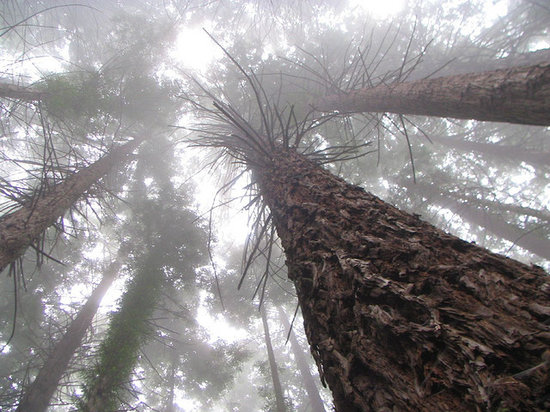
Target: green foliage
point(129, 328)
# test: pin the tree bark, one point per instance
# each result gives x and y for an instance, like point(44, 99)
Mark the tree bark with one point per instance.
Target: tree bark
point(518, 95)
point(14, 91)
point(38, 395)
point(517, 154)
point(399, 314)
point(278, 389)
point(315, 400)
point(18, 230)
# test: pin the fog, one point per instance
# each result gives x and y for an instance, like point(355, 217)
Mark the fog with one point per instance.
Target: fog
point(151, 262)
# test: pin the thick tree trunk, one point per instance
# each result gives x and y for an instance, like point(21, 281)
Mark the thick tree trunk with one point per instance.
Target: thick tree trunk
point(315, 400)
point(517, 154)
point(38, 395)
point(494, 224)
point(14, 91)
point(400, 315)
point(278, 389)
point(18, 230)
point(518, 95)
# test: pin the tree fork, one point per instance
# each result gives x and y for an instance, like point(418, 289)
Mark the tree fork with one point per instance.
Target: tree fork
point(400, 315)
point(517, 95)
point(19, 229)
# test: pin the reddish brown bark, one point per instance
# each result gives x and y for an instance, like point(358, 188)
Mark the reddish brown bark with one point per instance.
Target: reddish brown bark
point(18, 230)
point(400, 315)
point(518, 95)
point(37, 396)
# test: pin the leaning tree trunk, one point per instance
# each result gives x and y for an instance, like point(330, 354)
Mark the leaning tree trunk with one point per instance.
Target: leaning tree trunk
point(517, 154)
point(38, 395)
point(315, 400)
point(277, 388)
point(18, 230)
point(538, 245)
point(518, 95)
point(14, 91)
point(462, 63)
point(399, 314)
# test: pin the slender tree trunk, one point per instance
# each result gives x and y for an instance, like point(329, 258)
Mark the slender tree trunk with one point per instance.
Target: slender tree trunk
point(518, 95)
point(14, 91)
point(514, 153)
point(474, 64)
point(172, 383)
point(494, 224)
point(38, 395)
point(399, 314)
point(500, 207)
point(18, 230)
point(279, 396)
point(311, 388)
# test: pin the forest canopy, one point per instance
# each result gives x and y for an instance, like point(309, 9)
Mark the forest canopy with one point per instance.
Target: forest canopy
point(274, 205)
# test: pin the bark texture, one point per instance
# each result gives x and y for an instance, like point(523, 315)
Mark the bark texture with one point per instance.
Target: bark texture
point(315, 401)
point(38, 395)
point(401, 316)
point(18, 230)
point(277, 388)
point(518, 95)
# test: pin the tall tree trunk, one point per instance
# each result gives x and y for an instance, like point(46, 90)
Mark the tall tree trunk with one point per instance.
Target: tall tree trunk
point(18, 230)
point(38, 395)
point(494, 224)
point(129, 328)
point(170, 407)
point(500, 207)
point(14, 91)
point(474, 63)
point(399, 314)
point(279, 396)
point(517, 154)
point(315, 400)
point(518, 95)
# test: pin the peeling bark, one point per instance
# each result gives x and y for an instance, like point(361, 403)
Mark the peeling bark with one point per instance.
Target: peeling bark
point(401, 316)
point(18, 230)
point(518, 95)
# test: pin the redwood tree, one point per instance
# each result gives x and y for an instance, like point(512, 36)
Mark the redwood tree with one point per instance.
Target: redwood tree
point(399, 314)
point(517, 95)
